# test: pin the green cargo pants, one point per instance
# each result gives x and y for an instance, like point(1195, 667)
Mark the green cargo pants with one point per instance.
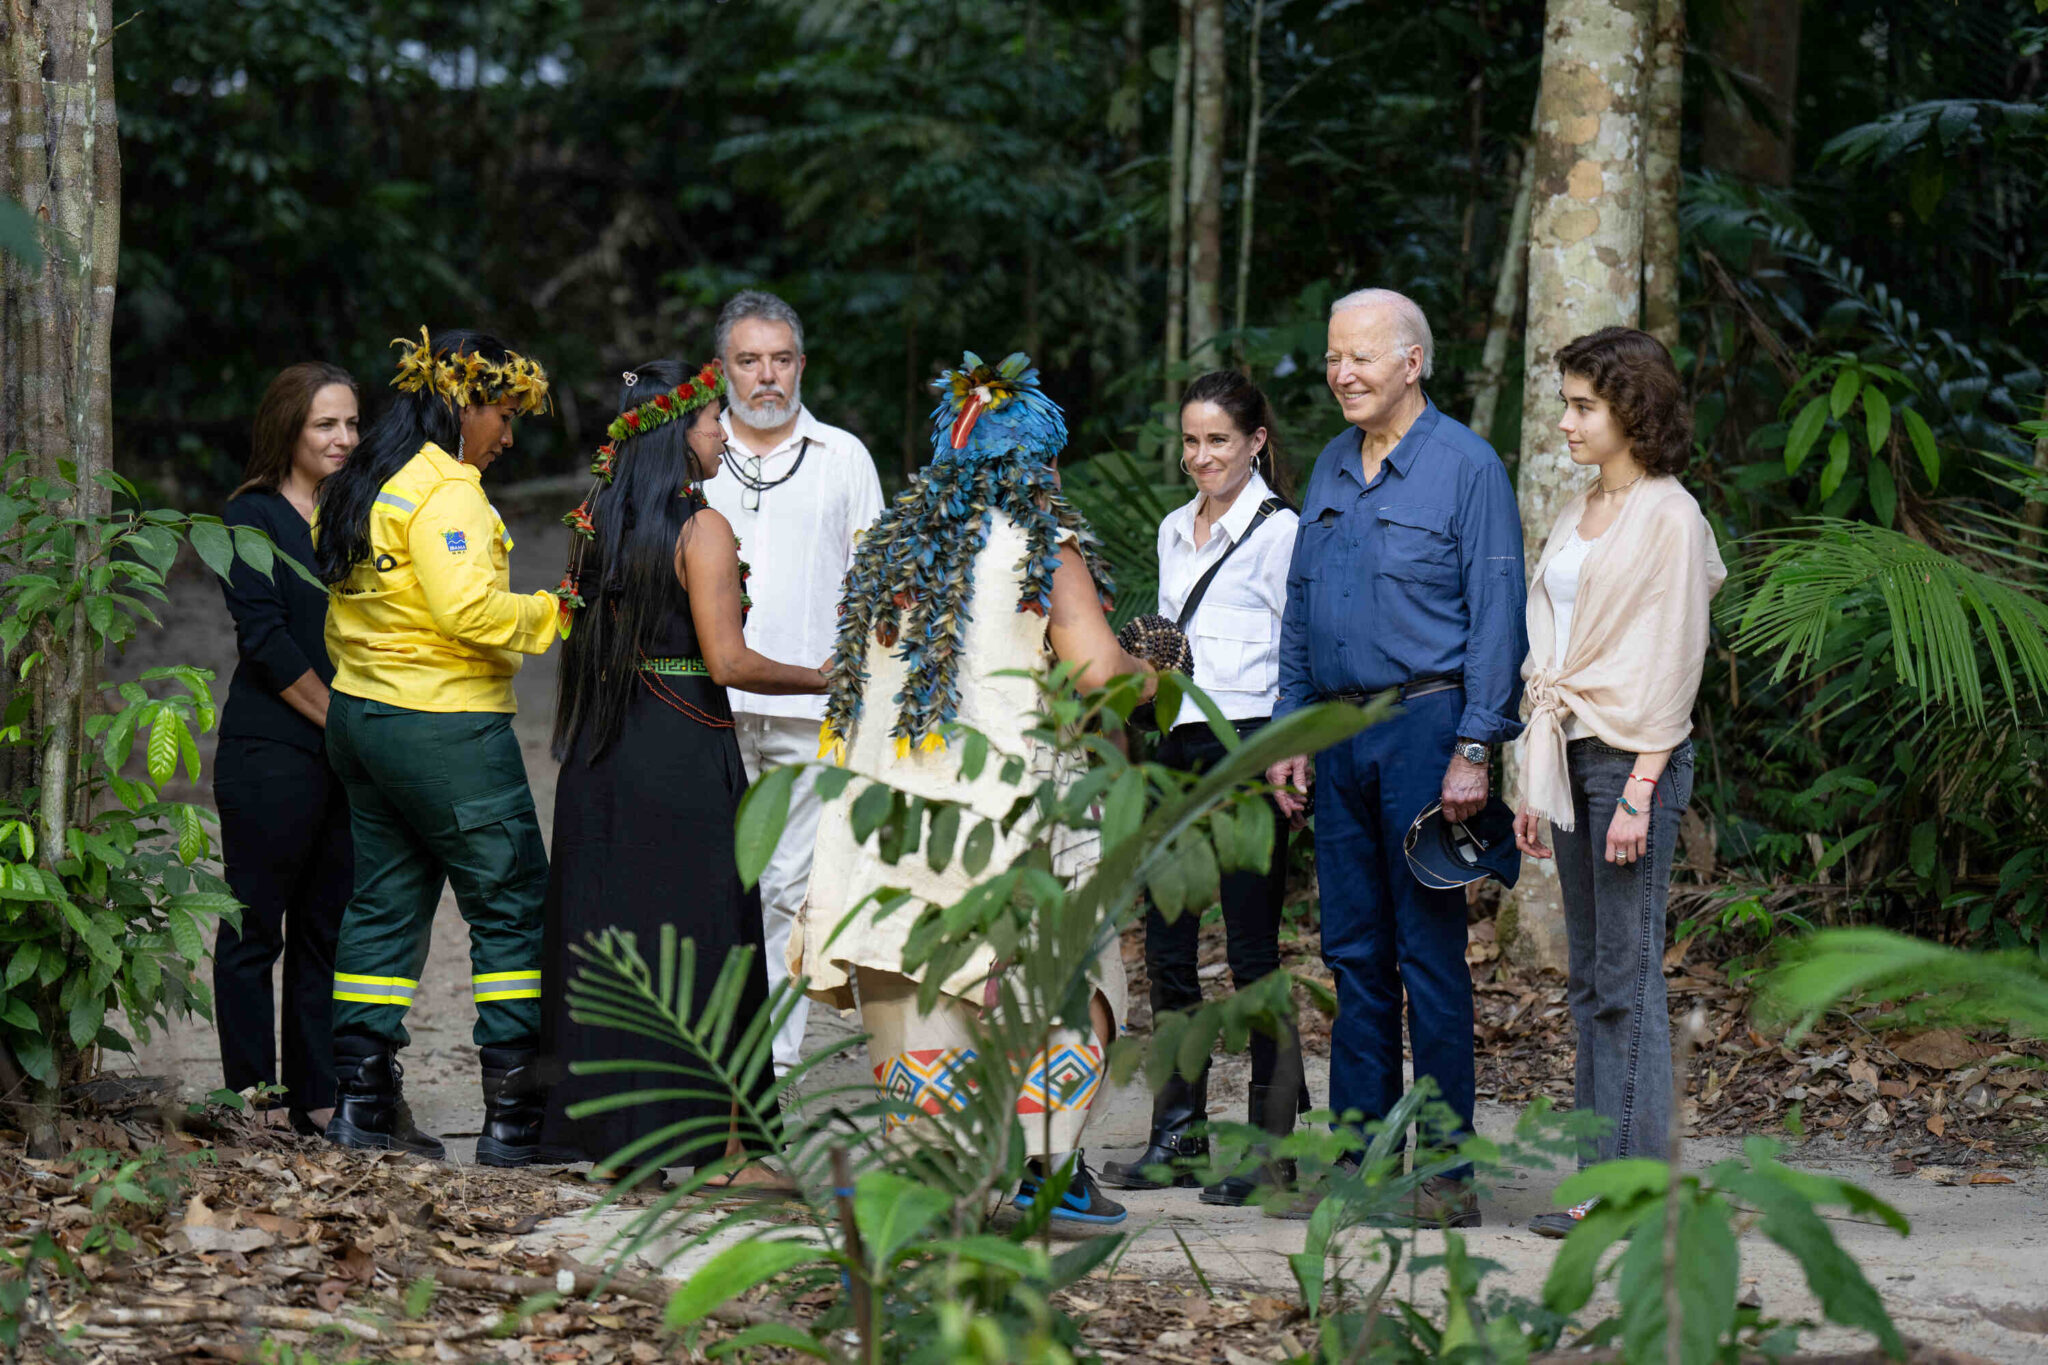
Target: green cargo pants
point(432, 798)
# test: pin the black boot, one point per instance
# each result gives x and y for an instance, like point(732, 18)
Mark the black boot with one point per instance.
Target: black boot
point(1269, 1110)
point(1180, 1107)
point(369, 1103)
point(514, 1103)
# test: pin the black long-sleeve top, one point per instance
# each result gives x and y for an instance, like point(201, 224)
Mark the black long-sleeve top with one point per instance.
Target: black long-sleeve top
point(280, 624)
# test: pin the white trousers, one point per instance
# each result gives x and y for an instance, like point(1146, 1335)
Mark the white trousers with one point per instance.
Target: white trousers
point(771, 742)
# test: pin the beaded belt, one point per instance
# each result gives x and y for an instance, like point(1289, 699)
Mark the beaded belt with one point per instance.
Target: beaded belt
point(676, 665)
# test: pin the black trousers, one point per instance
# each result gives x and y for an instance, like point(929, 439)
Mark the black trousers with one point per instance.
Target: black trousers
point(284, 827)
point(1251, 909)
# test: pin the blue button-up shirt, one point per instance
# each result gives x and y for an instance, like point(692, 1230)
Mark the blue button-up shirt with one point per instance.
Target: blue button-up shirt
point(1415, 575)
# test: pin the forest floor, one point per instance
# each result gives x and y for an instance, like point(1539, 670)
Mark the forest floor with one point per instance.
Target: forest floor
point(284, 1236)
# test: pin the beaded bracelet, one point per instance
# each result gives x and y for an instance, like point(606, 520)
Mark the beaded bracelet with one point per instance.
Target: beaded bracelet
point(1623, 803)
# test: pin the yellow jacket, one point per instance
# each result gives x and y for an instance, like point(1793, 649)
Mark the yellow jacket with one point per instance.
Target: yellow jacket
point(427, 622)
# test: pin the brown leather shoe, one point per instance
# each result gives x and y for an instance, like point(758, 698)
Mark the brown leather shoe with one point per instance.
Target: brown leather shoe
point(1446, 1203)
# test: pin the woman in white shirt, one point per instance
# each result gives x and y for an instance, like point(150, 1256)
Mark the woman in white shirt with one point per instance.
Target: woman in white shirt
point(1224, 555)
point(1618, 624)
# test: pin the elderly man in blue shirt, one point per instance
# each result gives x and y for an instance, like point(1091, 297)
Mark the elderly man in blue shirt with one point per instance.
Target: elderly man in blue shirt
point(1407, 577)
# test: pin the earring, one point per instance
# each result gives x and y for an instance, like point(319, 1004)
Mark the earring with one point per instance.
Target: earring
point(1184, 467)
point(458, 447)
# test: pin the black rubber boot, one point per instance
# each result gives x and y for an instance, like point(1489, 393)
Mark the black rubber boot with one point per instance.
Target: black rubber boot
point(1179, 1107)
point(514, 1103)
point(369, 1103)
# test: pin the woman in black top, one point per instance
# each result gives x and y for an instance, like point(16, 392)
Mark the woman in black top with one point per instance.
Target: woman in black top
point(284, 818)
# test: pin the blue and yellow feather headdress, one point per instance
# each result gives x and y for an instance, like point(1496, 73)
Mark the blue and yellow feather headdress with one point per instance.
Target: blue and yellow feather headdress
point(995, 434)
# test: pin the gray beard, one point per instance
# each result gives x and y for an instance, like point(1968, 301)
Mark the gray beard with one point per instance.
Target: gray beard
point(767, 416)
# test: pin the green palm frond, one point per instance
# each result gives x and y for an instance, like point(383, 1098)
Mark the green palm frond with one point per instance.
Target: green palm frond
point(2007, 991)
point(1943, 615)
point(1124, 508)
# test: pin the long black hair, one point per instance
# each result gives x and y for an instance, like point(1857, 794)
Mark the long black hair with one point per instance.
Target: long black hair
point(412, 420)
point(1246, 405)
point(627, 575)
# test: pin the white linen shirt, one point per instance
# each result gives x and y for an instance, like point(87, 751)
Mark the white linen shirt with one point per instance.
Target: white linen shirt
point(1236, 629)
point(798, 544)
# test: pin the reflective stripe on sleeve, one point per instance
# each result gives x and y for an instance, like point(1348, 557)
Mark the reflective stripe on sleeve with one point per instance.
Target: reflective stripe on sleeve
point(393, 500)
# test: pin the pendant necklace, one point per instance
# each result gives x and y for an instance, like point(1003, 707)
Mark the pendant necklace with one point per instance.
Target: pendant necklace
point(754, 485)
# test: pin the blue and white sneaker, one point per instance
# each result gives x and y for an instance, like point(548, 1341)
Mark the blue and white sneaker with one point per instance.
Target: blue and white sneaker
point(1083, 1202)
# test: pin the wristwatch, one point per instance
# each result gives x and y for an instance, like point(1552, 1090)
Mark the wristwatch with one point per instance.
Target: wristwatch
point(1472, 752)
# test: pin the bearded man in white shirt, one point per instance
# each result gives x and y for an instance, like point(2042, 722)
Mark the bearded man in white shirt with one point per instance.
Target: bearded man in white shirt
point(797, 493)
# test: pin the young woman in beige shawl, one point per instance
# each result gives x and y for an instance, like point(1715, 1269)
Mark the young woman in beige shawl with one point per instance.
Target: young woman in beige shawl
point(1617, 620)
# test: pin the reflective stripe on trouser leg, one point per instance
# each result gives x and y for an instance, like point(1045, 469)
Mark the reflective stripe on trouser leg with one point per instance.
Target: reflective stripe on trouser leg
point(374, 990)
point(492, 986)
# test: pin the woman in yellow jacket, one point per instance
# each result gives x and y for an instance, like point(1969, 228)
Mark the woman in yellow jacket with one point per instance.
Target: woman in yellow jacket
point(426, 636)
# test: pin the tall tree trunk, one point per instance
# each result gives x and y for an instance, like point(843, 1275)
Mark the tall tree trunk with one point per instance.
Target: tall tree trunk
point(1663, 121)
point(1255, 91)
point(61, 161)
point(1177, 221)
point(1134, 148)
point(1585, 272)
point(1507, 299)
point(1205, 185)
point(1758, 41)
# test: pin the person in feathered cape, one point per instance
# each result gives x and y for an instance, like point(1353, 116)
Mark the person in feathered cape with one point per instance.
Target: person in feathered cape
point(978, 573)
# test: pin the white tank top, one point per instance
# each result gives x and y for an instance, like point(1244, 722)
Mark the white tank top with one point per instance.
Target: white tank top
point(1561, 581)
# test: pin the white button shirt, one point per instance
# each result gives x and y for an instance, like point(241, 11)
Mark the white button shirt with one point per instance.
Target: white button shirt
point(1236, 629)
point(798, 543)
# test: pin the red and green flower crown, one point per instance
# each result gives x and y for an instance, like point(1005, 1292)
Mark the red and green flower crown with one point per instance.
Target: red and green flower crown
point(706, 386)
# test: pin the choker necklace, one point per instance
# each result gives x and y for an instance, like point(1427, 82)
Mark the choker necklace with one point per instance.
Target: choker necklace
point(1610, 492)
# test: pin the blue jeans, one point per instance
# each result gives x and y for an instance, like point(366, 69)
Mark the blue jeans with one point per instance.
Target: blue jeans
point(1614, 923)
point(1382, 929)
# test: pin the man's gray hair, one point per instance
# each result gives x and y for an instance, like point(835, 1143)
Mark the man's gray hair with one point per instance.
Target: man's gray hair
point(756, 303)
point(1410, 326)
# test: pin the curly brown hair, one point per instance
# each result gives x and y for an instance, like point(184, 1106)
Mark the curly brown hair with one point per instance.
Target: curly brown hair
point(1634, 375)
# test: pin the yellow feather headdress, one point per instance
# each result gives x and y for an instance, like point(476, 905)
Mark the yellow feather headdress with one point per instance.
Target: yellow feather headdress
point(464, 377)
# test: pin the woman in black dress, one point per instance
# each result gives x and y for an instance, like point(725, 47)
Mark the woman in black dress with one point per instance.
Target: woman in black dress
point(651, 775)
point(284, 821)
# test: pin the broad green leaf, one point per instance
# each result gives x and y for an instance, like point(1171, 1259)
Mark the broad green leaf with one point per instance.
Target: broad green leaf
point(973, 755)
point(36, 1056)
point(254, 549)
point(1922, 437)
point(1026, 1262)
point(1920, 850)
point(1831, 1273)
point(764, 811)
point(981, 845)
point(891, 1210)
point(1707, 1283)
point(945, 832)
point(1840, 398)
point(1838, 463)
point(741, 1346)
point(870, 809)
point(161, 754)
point(23, 964)
point(96, 940)
point(1615, 1181)
point(1877, 420)
point(1806, 429)
point(1575, 1272)
point(86, 1015)
point(191, 829)
point(1884, 494)
point(17, 1012)
point(1124, 808)
point(736, 1270)
point(185, 934)
point(216, 550)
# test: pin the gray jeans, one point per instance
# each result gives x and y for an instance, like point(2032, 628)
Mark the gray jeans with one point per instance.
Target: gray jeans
point(1614, 919)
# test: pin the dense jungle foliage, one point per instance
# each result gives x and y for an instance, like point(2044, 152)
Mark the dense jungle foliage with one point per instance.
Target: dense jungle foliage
point(1864, 286)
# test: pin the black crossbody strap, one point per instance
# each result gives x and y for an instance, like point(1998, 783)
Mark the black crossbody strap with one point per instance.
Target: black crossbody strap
point(1187, 611)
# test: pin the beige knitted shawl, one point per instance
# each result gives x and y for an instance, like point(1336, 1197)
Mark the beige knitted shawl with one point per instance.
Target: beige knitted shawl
point(1631, 669)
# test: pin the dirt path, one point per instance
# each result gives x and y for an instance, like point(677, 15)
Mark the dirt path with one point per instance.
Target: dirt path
point(1974, 1275)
